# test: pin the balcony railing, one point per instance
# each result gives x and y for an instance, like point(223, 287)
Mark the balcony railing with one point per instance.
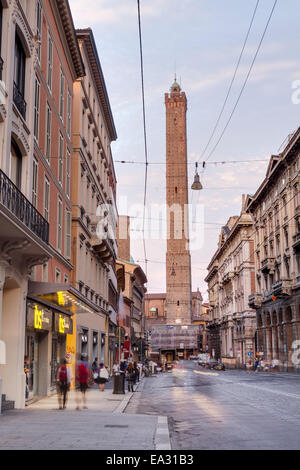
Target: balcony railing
point(19, 101)
point(1, 67)
point(12, 198)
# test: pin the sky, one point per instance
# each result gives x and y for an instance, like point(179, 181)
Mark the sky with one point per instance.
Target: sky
point(200, 41)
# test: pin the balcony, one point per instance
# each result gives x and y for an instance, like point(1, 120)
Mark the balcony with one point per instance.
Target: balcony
point(267, 265)
point(267, 294)
point(227, 277)
point(17, 204)
point(1, 67)
point(282, 288)
point(296, 244)
point(19, 101)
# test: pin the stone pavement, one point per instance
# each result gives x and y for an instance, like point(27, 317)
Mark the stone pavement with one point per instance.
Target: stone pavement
point(102, 426)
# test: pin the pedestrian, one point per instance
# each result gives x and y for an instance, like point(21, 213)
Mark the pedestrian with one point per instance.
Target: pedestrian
point(116, 368)
point(136, 372)
point(26, 372)
point(140, 368)
point(103, 376)
point(82, 379)
point(130, 374)
point(63, 382)
point(95, 364)
point(256, 364)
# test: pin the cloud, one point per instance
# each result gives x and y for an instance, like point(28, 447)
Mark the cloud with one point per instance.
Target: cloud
point(259, 73)
point(91, 12)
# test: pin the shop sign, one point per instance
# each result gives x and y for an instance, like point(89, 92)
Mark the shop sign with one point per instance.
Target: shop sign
point(39, 318)
point(63, 324)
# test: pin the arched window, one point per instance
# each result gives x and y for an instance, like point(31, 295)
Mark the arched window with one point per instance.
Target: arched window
point(15, 164)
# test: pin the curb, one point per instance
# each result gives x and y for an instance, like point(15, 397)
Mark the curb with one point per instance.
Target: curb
point(121, 408)
point(162, 435)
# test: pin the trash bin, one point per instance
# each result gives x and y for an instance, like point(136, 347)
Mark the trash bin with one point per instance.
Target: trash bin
point(119, 384)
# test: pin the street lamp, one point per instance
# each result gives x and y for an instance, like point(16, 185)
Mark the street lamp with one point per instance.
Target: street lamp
point(196, 184)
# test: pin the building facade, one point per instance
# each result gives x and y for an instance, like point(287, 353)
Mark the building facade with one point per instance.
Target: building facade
point(57, 65)
point(132, 305)
point(275, 208)
point(231, 275)
point(93, 190)
point(24, 237)
point(156, 315)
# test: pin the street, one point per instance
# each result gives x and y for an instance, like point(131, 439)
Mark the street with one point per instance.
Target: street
point(234, 409)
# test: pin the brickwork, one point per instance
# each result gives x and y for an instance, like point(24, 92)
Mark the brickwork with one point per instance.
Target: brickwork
point(178, 262)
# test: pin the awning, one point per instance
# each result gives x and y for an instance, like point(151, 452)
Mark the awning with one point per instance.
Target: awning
point(64, 296)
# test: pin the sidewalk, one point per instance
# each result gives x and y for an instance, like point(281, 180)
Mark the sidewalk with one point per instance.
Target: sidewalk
point(102, 426)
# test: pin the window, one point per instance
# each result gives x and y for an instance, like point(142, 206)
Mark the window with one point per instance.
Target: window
point(19, 77)
point(68, 173)
point(39, 26)
point(59, 225)
point(62, 95)
point(69, 110)
point(34, 182)
point(68, 234)
point(46, 198)
point(57, 275)
point(37, 108)
point(45, 272)
point(50, 63)
point(60, 158)
point(48, 132)
point(66, 279)
point(15, 164)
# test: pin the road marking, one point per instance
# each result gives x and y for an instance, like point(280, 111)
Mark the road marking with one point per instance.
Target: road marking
point(292, 395)
point(205, 373)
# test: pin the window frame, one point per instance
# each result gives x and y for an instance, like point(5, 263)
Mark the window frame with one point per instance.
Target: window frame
point(59, 224)
point(48, 132)
point(35, 178)
point(37, 102)
point(49, 62)
point(46, 198)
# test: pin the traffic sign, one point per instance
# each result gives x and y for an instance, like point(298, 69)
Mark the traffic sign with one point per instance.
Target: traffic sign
point(249, 353)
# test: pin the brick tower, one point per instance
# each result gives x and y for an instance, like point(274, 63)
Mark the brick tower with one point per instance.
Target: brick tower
point(178, 260)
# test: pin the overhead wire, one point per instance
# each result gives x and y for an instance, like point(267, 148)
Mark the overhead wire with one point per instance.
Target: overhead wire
point(144, 129)
point(243, 86)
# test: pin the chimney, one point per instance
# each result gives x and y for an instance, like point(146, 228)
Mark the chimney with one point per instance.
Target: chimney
point(123, 237)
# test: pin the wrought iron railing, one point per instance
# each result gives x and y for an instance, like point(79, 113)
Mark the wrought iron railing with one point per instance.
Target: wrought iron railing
point(19, 101)
point(1, 67)
point(12, 198)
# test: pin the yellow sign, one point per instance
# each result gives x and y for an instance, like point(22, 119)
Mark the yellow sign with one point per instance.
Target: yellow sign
point(61, 299)
point(38, 316)
point(61, 327)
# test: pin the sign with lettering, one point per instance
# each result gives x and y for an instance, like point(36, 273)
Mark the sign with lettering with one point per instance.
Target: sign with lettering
point(63, 324)
point(39, 318)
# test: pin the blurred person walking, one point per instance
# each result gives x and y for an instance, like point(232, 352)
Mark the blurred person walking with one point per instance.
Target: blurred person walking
point(130, 374)
point(82, 380)
point(103, 376)
point(63, 384)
